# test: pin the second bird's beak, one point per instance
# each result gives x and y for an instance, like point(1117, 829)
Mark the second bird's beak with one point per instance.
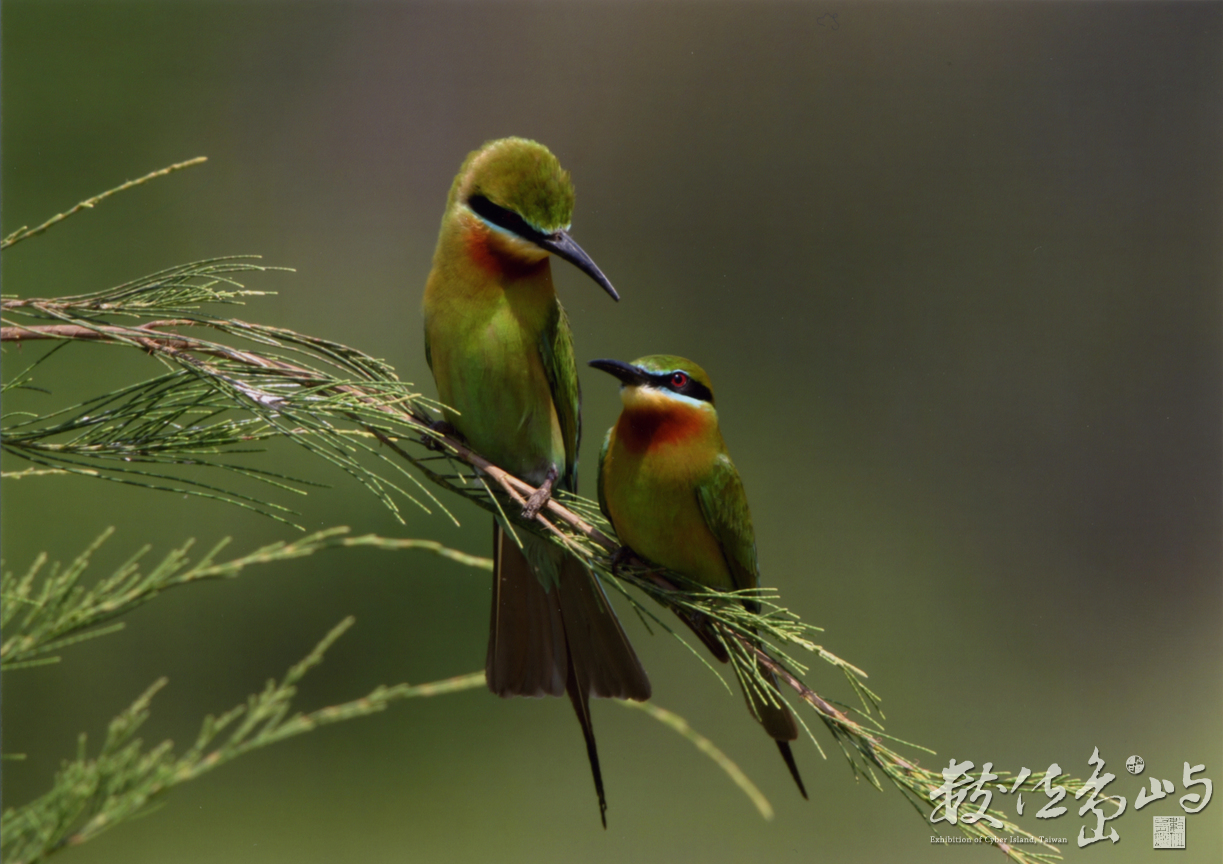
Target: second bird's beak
point(629, 374)
point(562, 245)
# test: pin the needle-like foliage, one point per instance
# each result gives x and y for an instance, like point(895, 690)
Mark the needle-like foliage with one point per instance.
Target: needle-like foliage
point(215, 400)
point(43, 613)
point(228, 386)
point(91, 794)
point(47, 609)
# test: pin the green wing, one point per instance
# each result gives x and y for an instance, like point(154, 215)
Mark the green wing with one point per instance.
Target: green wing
point(723, 503)
point(602, 459)
point(556, 351)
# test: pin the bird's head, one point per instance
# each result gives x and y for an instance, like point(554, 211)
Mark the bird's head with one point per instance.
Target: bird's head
point(661, 381)
point(515, 192)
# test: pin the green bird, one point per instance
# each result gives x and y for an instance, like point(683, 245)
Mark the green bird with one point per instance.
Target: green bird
point(667, 485)
point(499, 345)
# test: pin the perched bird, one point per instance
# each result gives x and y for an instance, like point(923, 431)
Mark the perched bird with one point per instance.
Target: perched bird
point(499, 345)
point(668, 487)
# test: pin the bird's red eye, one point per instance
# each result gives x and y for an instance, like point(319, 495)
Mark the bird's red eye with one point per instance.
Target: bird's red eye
point(679, 379)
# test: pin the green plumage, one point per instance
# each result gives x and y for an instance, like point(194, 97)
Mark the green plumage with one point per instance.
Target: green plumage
point(527, 179)
point(499, 345)
point(560, 367)
point(723, 503)
point(671, 491)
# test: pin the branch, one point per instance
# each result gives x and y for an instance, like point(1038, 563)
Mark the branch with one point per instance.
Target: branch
point(23, 233)
point(58, 612)
point(91, 795)
point(124, 780)
point(185, 417)
point(182, 350)
point(289, 386)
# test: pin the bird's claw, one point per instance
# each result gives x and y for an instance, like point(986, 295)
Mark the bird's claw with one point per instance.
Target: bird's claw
point(540, 496)
point(624, 556)
point(621, 557)
point(441, 427)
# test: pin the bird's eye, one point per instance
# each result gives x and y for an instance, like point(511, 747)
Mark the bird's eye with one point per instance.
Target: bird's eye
point(679, 379)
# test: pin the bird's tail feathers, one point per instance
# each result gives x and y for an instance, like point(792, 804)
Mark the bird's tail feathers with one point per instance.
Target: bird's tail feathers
point(579, 696)
point(769, 708)
point(561, 639)
point(772, 713)
point(527, 649)
point(597, 645)
point(706, 631)
point(777, 720)
point(788, 755)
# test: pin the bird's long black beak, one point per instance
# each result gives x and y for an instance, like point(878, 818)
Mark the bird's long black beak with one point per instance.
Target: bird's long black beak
point(629, 374)
point(562, 245)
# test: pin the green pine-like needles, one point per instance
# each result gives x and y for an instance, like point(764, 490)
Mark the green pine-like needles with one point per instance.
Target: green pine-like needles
point(229, 387)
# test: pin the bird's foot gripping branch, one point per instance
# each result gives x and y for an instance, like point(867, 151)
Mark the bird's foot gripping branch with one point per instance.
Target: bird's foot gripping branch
point(228, 385)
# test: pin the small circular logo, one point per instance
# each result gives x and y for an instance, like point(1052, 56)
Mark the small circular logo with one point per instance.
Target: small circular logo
point(1134, 764)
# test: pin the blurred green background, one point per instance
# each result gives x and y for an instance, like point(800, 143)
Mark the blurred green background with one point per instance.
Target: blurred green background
point(953, 268)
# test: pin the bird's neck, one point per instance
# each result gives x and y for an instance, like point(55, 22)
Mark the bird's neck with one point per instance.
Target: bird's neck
point(650, 422)
point(487, 256)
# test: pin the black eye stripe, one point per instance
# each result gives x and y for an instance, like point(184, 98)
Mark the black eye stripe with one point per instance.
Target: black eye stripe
point(497, 215)
point(692, 388)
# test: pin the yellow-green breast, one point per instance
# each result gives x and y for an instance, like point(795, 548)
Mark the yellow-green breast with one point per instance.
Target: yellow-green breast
point(485, 317)
point(657, 454)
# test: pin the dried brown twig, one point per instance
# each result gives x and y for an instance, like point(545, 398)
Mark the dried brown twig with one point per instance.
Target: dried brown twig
point(397, 420)
point(306, 389)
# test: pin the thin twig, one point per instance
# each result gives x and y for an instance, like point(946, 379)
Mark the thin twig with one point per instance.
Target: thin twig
point(23, 233)
point(753, 637)
point(178, 348)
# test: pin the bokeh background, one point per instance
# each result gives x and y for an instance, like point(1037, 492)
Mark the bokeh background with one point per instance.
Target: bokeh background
point(955, 272)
